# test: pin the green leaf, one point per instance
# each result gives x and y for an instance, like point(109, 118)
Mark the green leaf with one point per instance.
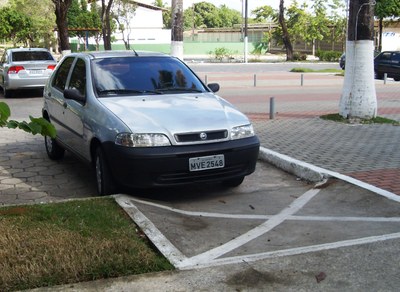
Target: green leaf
point(12, 124)
point(46, 128)
point(4, 111)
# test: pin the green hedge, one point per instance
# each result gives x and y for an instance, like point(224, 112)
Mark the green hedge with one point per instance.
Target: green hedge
point(329, 56)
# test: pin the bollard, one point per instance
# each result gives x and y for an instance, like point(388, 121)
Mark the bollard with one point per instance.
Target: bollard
point(255, 80)
point(205, 80)
point(271, 108)
point(384, 78)
point(302, 79)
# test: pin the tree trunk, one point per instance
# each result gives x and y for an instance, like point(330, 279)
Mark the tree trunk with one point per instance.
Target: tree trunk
point(106, 24)
point(177, 29)
point(380, 34)
point(358, 98)
point(61, 11)
point(286, 37)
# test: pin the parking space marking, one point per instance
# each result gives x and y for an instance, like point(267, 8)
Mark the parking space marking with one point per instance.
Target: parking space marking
point(261, 229)
point(213, 256)
point(294, 251)
point(266, 217)
point(163, 244)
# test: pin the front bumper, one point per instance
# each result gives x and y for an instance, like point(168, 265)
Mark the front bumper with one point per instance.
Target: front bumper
point(169, 166)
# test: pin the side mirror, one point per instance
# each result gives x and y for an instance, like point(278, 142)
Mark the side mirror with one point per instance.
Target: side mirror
point(214, 87)
point(74, 94)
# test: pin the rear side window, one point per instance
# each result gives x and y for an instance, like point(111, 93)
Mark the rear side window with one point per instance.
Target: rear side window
point(396, 57)
point(78, 77)
point(31, 56)
point(386, 56)
point(60, 79)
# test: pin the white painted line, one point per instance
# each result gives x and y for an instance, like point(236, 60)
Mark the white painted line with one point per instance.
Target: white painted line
point(202, 214)
point(159, 240)
point(379, 191)
point(266, 217)
point(293, 251)
point(261, 229)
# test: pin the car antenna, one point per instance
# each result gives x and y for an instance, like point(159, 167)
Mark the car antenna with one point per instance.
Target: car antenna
point(136, 54)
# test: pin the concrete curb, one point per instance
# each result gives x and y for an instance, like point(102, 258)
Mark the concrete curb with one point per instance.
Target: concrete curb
point(316, 174)
point(299, 168)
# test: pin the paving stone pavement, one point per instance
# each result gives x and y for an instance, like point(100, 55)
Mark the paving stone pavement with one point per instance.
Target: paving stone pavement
point(366, 152)
point(27, 175)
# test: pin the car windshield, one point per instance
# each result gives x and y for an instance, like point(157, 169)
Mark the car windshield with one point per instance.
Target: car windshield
point(31, 56)
point(143, 75)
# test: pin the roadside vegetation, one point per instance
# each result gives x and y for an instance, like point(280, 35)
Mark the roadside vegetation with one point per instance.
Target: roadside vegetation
point(62, 243)
point(377, 120)
point(308, 70)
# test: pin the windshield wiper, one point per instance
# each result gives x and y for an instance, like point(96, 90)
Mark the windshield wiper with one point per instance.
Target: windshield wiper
point(182, 89)
point(127, 91)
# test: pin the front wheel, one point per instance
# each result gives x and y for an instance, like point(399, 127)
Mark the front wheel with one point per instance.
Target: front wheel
point(233, 182)
point(378, 75)
point(105, 183)
point(53, 149)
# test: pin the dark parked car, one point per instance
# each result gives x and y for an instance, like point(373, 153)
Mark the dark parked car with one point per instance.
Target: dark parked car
point(342, 59)
point(25, 68)
point(146, 120)
point(389, 63)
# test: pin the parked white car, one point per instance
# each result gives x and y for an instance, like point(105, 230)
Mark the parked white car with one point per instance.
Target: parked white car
point(146, 120)
point(25, 68)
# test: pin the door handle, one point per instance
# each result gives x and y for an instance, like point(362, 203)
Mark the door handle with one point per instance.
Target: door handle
point(65, 105)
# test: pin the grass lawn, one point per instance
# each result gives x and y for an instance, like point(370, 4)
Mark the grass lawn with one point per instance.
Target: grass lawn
point(307, 70)
point(377, 120)
point(69, 242)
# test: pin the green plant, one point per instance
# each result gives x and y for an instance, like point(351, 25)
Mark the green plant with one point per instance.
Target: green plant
point(328, 56)
point(220, 53)
point(299, 56)
point(377, 120)
point(35, 126)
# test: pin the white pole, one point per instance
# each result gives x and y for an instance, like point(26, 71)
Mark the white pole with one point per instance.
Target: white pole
point(246, 48)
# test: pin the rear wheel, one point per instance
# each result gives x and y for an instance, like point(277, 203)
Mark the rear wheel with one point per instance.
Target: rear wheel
point(53, 149)
point(233, 182)
point(105, 183)
point(7, 93)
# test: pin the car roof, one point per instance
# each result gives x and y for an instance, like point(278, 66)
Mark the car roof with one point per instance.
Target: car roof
point(122, 53)
point(27, 49)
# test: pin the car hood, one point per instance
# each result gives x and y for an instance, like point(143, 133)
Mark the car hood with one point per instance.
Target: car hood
point(178, 113)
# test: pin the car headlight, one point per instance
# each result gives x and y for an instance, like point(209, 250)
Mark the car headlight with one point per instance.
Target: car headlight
point(142, 140)
point(241, 132)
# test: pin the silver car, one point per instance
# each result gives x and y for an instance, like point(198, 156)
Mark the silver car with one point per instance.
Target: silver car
point(146, 120)
point(25, 68)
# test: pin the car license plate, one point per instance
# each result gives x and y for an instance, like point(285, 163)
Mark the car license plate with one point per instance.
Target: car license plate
point(36, 72)
point(206, 162)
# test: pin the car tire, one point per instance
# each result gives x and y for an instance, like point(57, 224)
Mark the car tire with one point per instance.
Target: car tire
point(378, 75)
point(7, 93)
point(53, 149)
point(104, 182)
point(233, 182)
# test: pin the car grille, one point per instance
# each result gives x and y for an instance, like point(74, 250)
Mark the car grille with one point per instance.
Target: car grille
point(201, 136)
point(198, 176)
